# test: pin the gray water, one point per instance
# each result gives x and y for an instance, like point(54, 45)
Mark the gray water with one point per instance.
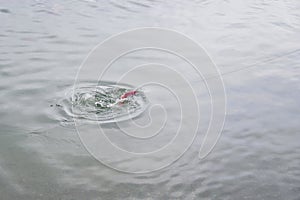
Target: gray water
point(255, 44)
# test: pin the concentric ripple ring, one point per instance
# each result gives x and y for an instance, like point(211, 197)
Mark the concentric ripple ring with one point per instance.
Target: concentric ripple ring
point(104, 103)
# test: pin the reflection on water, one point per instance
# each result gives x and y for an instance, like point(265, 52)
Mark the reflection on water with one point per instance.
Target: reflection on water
point(258, 155)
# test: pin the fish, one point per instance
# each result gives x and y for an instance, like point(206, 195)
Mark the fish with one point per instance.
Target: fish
point(128, 94)
point(119, 101)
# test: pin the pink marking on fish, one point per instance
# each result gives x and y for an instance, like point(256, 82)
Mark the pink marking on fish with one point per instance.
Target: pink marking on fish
point(128, 94)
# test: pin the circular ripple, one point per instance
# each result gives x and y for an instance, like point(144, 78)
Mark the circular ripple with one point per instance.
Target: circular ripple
point(104, 103)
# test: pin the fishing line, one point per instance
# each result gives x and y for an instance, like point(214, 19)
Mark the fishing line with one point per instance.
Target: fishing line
point(254, 64)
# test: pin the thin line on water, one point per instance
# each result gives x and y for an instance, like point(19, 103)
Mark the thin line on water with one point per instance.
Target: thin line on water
point(254, 64)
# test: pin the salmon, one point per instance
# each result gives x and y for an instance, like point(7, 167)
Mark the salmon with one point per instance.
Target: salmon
point(128, 94)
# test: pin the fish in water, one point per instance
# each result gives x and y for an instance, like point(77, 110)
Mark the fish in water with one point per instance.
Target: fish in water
point(119, 101)
point(128, 94)
point(124, 97)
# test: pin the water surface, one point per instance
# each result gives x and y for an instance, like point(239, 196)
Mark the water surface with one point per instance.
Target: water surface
point(258, 154)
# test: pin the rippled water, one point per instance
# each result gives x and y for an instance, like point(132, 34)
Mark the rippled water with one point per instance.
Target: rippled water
point(103, 103)
point(255, 45)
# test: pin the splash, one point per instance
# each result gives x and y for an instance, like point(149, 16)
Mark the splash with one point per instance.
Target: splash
point(105, 103)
